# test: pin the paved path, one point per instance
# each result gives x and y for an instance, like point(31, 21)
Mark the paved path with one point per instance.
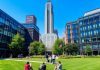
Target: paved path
point(26, 61)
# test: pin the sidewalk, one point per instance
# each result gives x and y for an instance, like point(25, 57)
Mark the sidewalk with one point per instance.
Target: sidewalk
point(26, 61)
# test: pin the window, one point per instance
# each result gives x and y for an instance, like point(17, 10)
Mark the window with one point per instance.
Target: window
point(94, 32)
point(90, 20)
point(95, 46)
point(89, 33)
point(99, 24)
point(94, 26)
point(82, 40)
point(96, 18)
point(93, 39)
point(86, 33)
point(80, 22)
point(85, 28)
point(90, 26)
point(68, 26)
point(81, 35)
point(98, 39)
point(85, 21)
point(80, 29)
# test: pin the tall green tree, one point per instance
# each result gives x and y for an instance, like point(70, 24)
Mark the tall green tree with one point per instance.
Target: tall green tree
point(58, 47)
point(88, 50)
point(36, 48)
point(17, 45)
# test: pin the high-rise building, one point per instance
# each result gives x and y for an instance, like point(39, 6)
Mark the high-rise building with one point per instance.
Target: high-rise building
point(49, 26)
point(32, 29)
point(85, 31)
point(49, 37)
point(31, 19)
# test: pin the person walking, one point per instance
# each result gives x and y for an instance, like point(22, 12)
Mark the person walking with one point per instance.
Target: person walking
point(47, 56)
point(53, 59)
point(50, 58)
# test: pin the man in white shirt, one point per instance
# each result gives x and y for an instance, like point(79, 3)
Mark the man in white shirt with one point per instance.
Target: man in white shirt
point(53, 59)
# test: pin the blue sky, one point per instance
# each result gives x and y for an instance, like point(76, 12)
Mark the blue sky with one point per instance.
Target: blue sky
point(64, 11)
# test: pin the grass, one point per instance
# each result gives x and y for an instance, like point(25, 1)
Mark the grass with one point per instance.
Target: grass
point(68, 64)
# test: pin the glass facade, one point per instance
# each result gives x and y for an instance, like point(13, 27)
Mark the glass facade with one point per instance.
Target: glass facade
point(90, 31)
point(72, 31)
point(32, 32)
point(8, 28)
point(86, 31)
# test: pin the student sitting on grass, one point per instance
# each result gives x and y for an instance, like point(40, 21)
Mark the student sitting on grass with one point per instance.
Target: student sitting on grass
point(28, 66)
point(42, 67)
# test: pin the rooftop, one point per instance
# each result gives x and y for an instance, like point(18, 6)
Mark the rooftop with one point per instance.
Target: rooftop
point(92, 12)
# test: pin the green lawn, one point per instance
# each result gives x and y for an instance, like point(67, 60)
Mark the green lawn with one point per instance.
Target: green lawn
point(68, 64)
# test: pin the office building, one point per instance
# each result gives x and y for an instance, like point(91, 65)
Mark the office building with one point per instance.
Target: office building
point(32, 29)
point(31, 19)
point(87, 31)
point(8, 28)
point(72, 32)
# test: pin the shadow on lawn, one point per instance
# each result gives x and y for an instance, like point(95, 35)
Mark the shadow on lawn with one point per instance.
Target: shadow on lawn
point(63, 69)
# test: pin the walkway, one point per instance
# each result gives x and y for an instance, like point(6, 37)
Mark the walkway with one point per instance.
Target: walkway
point(25, 60)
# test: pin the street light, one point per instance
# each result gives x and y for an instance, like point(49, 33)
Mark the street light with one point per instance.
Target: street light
point(62, 46)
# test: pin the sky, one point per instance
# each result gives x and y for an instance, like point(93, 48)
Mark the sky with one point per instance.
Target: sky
point(64, 11)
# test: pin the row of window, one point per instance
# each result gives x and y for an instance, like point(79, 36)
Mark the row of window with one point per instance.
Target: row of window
point(92, 46)
point(90, 33)
point(11, 24)
point(89, 27)
point(90, 20)
point(31, 25)
point(4, 38)
point(8, 28)
point(75, 41)
point(87, 40)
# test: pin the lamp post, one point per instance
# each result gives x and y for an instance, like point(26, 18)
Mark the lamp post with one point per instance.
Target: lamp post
point(62, 46)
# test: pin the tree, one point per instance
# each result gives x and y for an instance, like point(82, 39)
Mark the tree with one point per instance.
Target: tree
point(41, 49)
point(17, 45)
point(67, 49)
point(58, 47)
point(74, 48)
point(71, 48)
point(88, 50)
point(36, 48)
point(33, 48)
